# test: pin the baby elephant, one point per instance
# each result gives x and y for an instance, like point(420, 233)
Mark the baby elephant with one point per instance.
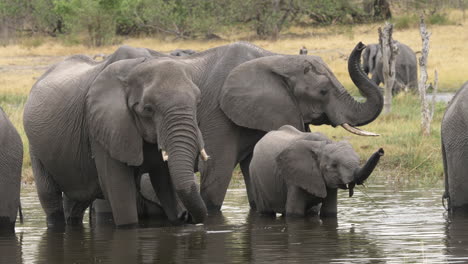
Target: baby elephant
point(292, 172)
point(11, 160)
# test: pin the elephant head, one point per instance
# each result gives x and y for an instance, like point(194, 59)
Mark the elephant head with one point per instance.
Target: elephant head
point(369, 58)
point(318, 165)
point(139, 101)
point(269, 92)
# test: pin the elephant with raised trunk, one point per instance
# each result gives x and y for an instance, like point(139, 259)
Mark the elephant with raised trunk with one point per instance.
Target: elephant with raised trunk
point(454, 135)
point(406, 78)
point(292, 172)
point(248, 92)
point(94, 126)
point(11, 161)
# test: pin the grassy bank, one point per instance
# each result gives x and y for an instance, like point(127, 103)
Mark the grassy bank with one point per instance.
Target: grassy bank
point(408, 155)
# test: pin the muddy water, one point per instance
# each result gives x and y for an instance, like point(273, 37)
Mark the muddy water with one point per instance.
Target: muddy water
point(382, 225)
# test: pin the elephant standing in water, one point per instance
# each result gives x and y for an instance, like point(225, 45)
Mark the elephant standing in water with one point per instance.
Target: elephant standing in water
point(93, 126)
point(11, 161)
point(454, 135)
point(405, 67)
point(292, 172)
point(247, 91)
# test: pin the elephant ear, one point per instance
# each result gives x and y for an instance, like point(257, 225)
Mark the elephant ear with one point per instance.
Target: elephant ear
point(109, 119)
point(298, 165)
point(256, 94)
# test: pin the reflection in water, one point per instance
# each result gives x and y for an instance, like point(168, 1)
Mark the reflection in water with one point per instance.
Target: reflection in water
point(386, 225)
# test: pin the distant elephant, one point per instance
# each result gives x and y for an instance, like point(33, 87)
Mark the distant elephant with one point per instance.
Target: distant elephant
point(182, 52)
point(11, 161)
point(93, 126)
point(405, 67)
point(292, 172)
point(454, 136)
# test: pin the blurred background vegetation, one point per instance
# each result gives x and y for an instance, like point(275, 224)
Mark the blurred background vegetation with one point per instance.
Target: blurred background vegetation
point(107, 22)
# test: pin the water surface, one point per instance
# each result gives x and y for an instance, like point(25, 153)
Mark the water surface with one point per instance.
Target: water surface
point(382, 225)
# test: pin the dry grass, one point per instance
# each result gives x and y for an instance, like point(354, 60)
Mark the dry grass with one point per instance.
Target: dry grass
point(407, 152)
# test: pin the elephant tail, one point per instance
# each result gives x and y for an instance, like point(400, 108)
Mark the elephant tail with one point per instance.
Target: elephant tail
point(446, 195)
point(20, 210)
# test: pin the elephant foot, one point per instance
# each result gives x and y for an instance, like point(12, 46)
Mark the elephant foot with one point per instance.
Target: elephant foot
point(128, 226)
point(56, 220)
point(75, 221)
point(6, 226)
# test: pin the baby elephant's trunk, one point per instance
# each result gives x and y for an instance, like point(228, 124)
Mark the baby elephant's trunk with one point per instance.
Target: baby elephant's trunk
point(363, 173)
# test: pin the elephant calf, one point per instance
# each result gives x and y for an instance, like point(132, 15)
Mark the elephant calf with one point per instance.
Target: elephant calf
point(292, 172)
point(11, 160)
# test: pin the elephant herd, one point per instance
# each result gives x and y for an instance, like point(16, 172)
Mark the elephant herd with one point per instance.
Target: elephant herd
point(137, 125)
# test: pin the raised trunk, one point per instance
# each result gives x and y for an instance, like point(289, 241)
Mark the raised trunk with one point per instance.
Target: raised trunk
point(356, 113)
point(360, 175)
point(183, 145)
point(363, 173)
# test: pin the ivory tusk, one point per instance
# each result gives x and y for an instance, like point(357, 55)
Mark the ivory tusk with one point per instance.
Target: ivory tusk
point(204, 156)
point(164, 155)
point(358, 131)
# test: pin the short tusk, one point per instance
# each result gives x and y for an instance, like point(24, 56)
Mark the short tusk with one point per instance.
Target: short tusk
point(358, 131)
point(165, 157)
point(204, 156)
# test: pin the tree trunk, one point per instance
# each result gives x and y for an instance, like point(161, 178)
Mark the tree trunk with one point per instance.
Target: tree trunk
point(389, 50)
point(426, 115)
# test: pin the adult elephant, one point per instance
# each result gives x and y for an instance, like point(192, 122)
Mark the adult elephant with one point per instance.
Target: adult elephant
point(455, 150)
point(93, 126)
point(247, 91)
point(11, 161)
point(405, 67)
point(292, 172)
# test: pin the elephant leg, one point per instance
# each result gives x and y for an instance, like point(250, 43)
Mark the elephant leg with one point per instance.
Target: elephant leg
point(244, 165)
point(118, 185)
point(163, 187)
point(74, 210)
point(457, 178)
point(50, 195)
point(222, 144)
point(296, 201)
point(330, 204)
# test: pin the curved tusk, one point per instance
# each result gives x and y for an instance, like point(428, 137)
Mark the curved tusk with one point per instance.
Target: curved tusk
point(204, 156)
point(165, 157)
point(358, 131)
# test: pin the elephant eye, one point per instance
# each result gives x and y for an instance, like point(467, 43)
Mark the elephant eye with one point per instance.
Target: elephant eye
point(334, 165)
point(148, 109)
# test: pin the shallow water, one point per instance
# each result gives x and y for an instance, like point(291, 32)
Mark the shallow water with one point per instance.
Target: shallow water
point(382, 225)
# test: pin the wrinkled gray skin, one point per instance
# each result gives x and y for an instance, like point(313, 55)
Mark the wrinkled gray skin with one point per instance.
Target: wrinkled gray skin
point(182, 52)
point(94, 126)
point(247, 91)
point(405, 67)
point(292, 172)
point(11, 160)
point(454, 135)
point(233, 114)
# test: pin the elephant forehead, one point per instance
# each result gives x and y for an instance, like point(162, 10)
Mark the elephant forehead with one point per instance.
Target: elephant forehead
point(158, 69)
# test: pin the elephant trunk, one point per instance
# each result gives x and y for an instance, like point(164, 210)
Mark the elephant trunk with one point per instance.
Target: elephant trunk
point(360, 113)
point(183, 145)
point(361, 174)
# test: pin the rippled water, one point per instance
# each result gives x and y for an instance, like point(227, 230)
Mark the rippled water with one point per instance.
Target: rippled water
point(382, 225)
